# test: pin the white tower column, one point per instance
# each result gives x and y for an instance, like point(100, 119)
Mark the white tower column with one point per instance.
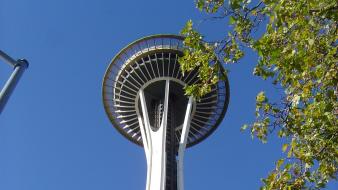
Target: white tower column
point(154, 143)
point(183, 144)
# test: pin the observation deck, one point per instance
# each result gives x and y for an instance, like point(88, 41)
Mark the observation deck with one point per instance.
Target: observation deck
point(146, 64)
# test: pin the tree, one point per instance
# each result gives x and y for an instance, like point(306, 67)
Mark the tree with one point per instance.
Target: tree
point(298, 52)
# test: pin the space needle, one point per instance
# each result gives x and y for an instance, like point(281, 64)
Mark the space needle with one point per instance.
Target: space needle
point(144, 99)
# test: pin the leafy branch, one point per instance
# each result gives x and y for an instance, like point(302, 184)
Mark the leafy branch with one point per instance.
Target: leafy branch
point(298, 51)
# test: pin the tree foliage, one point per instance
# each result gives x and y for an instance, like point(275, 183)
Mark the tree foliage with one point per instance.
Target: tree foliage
point(298, 52)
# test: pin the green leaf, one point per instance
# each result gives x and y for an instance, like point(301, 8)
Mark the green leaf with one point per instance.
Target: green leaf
point(295, 100)
point(244, 127)
point(200, 4)
point(232, 20)
point(261, 97)
point(285, 146)
point(279, 163)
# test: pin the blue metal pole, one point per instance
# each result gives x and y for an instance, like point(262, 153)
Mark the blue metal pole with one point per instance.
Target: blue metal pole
point(19, 67)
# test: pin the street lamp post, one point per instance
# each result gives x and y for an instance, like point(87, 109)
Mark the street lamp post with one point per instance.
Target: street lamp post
point(19, 67)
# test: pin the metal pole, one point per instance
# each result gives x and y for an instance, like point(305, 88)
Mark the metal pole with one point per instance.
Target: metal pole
point(19, 68)
point(7, 59)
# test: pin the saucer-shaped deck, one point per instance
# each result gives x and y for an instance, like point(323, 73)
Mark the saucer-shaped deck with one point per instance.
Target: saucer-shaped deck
point(146, 64)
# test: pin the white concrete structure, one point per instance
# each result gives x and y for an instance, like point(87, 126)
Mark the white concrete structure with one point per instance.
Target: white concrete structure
point(155, 143)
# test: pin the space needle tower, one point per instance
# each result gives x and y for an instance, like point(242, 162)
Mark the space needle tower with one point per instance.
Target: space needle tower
point(144, 99)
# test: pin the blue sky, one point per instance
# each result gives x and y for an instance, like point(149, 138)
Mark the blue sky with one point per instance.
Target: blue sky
point(54, 134)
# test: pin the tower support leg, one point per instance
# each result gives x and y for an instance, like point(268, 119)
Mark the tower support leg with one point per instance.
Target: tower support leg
point(183, 144)
point(154, 143)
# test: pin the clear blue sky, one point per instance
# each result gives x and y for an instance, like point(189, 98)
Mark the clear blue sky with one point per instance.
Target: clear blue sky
point(54, 134)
